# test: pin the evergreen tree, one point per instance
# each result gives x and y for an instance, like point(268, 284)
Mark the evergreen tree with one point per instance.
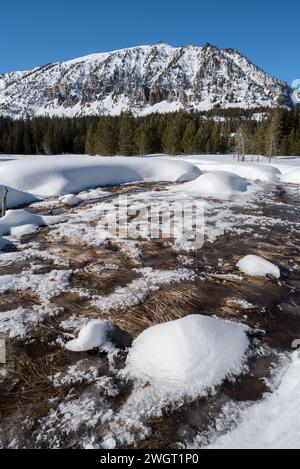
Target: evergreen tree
point(106, 137)
point(126, 135)
point(189, 137)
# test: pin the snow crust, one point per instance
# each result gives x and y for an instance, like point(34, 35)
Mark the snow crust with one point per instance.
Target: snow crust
point(257, 266)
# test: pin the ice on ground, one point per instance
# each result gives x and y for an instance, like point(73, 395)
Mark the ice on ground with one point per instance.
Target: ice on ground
point(16, 218)
point(43, 177)
point(273, 422)
point(95, 334)
point(292, 177)
point(219, 184)
point(257, 266)
point(189, 356)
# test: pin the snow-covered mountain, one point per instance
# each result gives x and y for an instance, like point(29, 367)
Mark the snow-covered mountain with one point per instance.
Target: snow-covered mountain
point(145, 79)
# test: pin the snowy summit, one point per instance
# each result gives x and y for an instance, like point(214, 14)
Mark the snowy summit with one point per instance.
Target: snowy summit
point(142, 80)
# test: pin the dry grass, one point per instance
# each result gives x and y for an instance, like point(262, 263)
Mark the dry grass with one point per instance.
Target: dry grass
point(13, 300)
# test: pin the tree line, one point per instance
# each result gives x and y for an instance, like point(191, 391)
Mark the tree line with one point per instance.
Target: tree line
point(260, 131)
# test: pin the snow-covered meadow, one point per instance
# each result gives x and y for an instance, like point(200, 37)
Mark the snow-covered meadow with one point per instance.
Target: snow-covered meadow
point(90, 316)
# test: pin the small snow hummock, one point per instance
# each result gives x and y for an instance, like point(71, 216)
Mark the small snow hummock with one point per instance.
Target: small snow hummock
point(101, 334)
point(188, 356)
point(70, 200)
point(16, 218)
point(256, 266)
point(218, 184)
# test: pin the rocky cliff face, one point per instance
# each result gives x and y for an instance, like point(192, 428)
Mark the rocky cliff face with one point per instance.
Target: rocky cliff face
point(143, 80)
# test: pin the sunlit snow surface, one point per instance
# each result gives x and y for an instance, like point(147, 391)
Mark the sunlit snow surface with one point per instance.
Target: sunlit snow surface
point(224, 186)
point(272, 423)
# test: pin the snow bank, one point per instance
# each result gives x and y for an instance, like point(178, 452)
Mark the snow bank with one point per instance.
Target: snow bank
point(217, 184)
point(16, 197)
point(292, 177)
point(42, 177)
point(274, 422)
point(189, 356)
point(250, 171)
point(16, 218)
point(257, 266)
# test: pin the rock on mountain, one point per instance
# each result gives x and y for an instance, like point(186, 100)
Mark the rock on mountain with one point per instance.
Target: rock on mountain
point(145, 79)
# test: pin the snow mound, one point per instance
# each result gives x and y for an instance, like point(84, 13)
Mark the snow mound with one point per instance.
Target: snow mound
point(189, 356)
point(250, 171)
point(41, 177)
point(292, 177)
point(218, 184)
point(16, 218)
point(272, 423)
point(70, 200)
point(257, 266)
point(101, 334)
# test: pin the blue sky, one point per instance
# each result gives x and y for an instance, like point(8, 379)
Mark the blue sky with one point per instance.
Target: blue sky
point(35, 32)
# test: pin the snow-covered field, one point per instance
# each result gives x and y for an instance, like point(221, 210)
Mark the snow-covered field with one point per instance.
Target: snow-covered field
point(105, 332)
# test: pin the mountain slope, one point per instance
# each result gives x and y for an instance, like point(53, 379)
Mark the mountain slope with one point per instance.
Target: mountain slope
point(145, 79)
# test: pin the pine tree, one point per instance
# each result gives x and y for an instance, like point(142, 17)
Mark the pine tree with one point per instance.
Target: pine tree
point(126, 135)
point(106, 137)
point(90, 143)
point(189, 137)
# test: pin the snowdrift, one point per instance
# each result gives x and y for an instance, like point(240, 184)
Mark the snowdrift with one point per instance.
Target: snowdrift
point(41, 177)
point(292, 177)
point(272, 423)
point(18, 218)
point(189, 356)
point(217, 183)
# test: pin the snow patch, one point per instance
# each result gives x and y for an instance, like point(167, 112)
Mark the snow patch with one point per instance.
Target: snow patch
point(257, 266)
point(93, 335)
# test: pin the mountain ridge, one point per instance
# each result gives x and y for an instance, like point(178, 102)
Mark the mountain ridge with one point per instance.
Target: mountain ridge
point(143, 80)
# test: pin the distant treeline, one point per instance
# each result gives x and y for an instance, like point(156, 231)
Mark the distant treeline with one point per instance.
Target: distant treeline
point(177, 133)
